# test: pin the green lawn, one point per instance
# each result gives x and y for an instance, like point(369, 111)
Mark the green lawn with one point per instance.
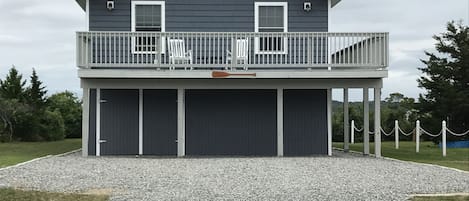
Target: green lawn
point(429, 153)
point(8, 194)
point(17, 152)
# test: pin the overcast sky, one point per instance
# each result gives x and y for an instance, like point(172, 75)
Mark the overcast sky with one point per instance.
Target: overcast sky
point(41, 34)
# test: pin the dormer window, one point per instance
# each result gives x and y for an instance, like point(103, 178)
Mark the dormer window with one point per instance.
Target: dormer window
point(148, 16)
point(271, 17)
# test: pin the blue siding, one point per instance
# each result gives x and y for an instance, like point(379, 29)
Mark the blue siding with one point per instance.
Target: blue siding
point(209, 16)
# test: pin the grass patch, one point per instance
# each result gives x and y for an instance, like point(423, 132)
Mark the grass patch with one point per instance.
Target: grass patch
point(441, 198)
point(17, 152)
point(9, 194)
point(429, 153)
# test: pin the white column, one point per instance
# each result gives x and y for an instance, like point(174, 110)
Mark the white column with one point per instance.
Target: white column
point(417, 136)
point(377, 98)
point(443, 135)
point(85, 123)
point(279, 122)
point(352, 132)
point(366, 122)
point(181, 123)
point(329, 122)
point(140, 122)
point(98, 122)
point(396, 133)
point(346, 121)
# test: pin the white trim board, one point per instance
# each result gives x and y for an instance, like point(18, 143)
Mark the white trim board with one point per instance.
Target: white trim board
point(87, 10)
point(230, 83)
point(141, 73)
point(98, 122)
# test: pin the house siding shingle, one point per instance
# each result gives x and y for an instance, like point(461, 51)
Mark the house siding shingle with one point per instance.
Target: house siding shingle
point(209, 16)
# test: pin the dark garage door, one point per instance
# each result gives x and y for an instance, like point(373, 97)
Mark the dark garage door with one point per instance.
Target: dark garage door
point(159, 122)
point(305, 122)
point(119, 122)
point(231, 122)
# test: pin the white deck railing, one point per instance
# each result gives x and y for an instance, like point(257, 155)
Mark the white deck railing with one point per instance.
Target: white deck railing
point(220, 50)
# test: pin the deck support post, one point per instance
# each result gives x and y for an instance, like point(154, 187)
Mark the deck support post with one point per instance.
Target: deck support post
point(377, 98)
point(140, 122)
point(346, 121)
point(366, 122)
point(85, 122)
point(181, 123)
point(329, 121)
point(279, 122)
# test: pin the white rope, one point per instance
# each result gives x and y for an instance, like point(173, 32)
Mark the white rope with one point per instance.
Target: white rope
point(456, 134)
point(358, 130)
point(406, 134)
point(371, 132)
point(388, 134)
point(429, 134)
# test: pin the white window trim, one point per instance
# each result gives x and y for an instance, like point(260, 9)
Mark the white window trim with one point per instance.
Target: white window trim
point(163, 23)
point(256, 26)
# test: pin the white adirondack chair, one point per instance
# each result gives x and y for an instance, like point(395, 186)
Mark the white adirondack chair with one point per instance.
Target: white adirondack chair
point(178, 54)
point(242, 52)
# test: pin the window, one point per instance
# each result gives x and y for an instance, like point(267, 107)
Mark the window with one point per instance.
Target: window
point(271, 17)
point(148, 16)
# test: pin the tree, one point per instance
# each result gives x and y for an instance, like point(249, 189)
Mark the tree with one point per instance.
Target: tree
point(52, 126)
point(11, 117)
point(400, 108)
point(69, 106)
point(36, 93)
point(13, 86)
point(446, 80)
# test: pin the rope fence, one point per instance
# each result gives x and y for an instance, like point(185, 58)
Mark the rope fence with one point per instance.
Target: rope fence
point(418, 131)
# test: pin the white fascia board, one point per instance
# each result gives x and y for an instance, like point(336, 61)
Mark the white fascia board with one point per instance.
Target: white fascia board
point(149, 74)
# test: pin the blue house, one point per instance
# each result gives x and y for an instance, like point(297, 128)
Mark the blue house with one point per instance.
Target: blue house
point(220, 77)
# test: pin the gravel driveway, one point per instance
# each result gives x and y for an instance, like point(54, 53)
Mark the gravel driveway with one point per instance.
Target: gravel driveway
point(342, 177)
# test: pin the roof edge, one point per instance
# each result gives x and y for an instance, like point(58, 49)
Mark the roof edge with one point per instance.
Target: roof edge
point(334, 2)
point(82, 4)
